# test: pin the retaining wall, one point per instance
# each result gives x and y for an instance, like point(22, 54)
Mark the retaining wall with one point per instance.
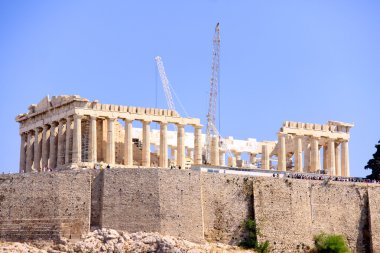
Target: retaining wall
point(44, 205)
point(291, 212)
point(190, 204)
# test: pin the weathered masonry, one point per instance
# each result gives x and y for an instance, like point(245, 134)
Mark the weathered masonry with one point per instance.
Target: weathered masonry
point(303, 143)
point(69, 131)
point(190, 204)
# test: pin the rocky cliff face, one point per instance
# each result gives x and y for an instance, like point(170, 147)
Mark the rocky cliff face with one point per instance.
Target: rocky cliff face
point(109, 240)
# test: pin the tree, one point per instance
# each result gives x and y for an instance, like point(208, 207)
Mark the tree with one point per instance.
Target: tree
point(374, 164)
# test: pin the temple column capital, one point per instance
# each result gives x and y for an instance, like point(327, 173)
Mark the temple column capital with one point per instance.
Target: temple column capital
point(126, 120)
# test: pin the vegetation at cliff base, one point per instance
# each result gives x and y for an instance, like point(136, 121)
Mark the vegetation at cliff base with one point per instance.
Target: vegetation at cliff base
point(374, 164)
point(250, 240)
point(330, 243)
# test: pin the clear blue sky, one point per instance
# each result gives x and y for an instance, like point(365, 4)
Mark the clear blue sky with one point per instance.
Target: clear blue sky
point(308, 61)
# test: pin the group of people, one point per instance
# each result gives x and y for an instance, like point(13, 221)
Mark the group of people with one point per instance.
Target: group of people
point(331, 178)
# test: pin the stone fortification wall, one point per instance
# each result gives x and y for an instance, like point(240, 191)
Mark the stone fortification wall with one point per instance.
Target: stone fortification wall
point(153, 200)
point(189, 204)
point(44, 205)
point(290, 212)
point(374, 214)
point(130, 200)
point(227, 202)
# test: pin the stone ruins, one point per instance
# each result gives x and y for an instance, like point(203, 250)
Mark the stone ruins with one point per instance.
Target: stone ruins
point(72, 132)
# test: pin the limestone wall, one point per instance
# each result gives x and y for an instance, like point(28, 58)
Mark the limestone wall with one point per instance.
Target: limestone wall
point(227, 202)
point(188, 204)
point(290, 212)
point(131, 200)
point(44, 205)
point(153, 200)
point(374, 213)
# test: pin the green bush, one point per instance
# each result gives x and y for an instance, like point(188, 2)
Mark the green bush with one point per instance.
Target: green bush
point(250, 241)
point(330, 243)
point(263, 247)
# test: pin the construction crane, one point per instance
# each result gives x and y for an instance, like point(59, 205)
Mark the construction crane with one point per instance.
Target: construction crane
point(165, 83)
point(211, 129)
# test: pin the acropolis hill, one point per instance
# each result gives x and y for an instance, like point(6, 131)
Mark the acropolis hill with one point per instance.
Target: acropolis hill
point(64, 188)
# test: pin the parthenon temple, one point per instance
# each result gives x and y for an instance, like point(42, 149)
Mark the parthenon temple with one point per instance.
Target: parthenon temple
point(64, 132)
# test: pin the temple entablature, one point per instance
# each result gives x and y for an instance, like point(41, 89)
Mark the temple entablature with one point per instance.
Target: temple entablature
point(333, 129)
point(48, 110)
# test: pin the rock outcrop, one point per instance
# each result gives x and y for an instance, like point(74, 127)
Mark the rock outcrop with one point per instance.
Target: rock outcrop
point(109, 240)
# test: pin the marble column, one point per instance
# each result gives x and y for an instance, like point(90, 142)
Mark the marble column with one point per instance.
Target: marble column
point(281, 152)
point(198, 145)
point(37, 149)
point(252, 158)
point(69, 136)
point(265, 157)
point(338, 168)
point(61, 149)
point(314, 155)
point(45, 147)
point(53, 146)
point(163, 145)
point(93, 141)
point(319, 158)
point(215, 151)
point(146, 144)
point(331, 157)
point(111, 141)
point(23, 152)
point(222, 158)
point(181, 146)
point(298, 154)
point(232, 161)
point(128, 143)
point(173, 155)
point(345, 159)
point(325, 158)
point(77, 139)
point(30, 151)
point(190, 153)
point(306, 151)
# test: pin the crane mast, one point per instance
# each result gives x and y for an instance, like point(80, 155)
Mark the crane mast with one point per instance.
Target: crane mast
point(211, 129)
point(165, 83)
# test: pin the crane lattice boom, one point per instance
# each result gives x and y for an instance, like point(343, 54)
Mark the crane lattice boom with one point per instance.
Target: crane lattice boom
point(165, 83)
point(213, 93)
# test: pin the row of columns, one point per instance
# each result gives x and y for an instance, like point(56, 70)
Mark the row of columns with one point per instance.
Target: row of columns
point(336, 157)
point(50, 145)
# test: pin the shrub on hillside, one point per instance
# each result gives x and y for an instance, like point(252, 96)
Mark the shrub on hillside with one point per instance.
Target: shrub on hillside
point(330, 243)
point(250, 241)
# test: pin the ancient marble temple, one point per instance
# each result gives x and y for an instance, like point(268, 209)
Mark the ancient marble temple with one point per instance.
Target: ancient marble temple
point(72, 132)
